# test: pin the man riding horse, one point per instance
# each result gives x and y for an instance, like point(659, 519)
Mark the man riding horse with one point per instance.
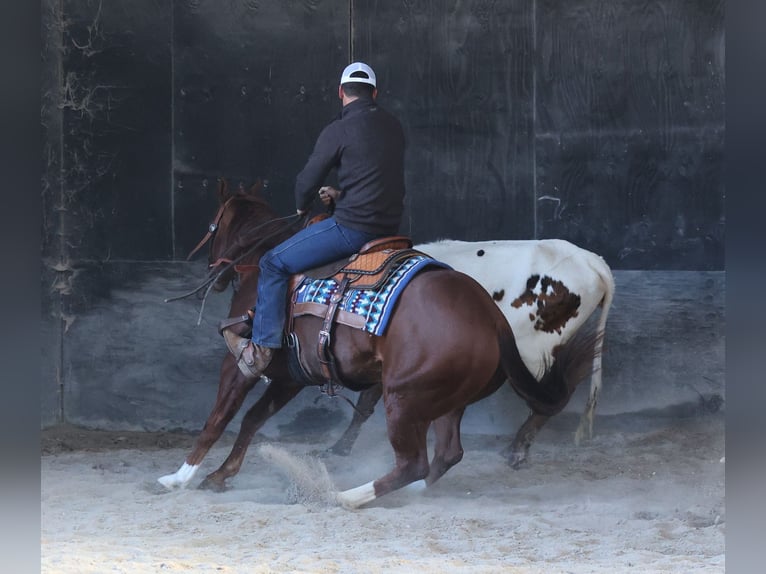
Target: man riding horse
point(365, 144)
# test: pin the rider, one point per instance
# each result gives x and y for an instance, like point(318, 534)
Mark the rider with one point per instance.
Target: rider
point(365, 144)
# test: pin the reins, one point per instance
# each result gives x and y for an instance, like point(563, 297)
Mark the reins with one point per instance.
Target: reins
point(335, 395)
point(207, 285)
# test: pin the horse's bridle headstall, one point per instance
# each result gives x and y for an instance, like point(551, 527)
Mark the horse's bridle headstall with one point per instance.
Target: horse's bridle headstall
point(211, 229)
point(213, 276)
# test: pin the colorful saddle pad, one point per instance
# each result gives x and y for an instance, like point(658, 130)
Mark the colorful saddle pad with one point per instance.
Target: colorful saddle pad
point(374, 307)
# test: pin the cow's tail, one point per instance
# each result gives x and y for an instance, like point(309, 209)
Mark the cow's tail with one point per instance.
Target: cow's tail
point(572, 363)
point(586, 421)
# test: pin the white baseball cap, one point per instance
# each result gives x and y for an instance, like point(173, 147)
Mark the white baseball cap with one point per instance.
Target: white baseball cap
point(358, 72)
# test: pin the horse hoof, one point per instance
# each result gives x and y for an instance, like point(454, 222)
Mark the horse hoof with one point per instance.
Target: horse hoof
point(320, 453)
point(339, 450)
point(418, 487)
point(213, 485)
point(353, 498)
point(180, 478)
point(169, 481)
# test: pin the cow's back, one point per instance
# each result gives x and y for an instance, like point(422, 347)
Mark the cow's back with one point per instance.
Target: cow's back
point(546, 288)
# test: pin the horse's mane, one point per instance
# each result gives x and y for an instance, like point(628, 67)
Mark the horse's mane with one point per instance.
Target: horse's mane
point(260, 223)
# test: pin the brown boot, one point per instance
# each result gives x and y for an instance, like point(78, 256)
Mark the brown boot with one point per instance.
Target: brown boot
point(252, 359)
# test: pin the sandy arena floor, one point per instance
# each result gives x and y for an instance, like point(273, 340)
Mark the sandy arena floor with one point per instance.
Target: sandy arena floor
point(648, 500)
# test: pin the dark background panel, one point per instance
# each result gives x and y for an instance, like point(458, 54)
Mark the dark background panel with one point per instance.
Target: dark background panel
point(629, 64)
point(131, 358)
point(639, 201)
point(664, 343)
point(115, 101)
point(459, 77)
point(629, 134)
point(254, 84)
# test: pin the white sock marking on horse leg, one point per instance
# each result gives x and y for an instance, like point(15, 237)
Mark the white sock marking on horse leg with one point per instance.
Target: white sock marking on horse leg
point(180, 478)
point(417, 486)
point(356, 497)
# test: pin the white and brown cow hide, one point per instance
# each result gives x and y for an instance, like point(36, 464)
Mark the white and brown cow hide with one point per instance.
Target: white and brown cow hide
point(547, 289)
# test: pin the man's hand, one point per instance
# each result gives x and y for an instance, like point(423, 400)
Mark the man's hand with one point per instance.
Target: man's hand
point(328, 194)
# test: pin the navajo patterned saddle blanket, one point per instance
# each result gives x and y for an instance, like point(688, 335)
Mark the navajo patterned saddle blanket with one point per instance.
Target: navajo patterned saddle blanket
point(363, 305)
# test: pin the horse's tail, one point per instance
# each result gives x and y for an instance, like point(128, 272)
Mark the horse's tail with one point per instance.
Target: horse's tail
point(573, 362)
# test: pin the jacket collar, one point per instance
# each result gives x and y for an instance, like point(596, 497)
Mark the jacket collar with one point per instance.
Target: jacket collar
point(357, 106)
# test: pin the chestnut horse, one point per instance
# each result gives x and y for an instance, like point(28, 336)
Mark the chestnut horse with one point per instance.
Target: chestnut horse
point(447, 345)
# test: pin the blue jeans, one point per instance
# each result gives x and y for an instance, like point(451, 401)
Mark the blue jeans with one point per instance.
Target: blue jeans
point(315, 245)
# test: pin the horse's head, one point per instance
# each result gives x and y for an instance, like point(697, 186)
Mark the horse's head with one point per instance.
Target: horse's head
point(227, 228)
point(244, 227)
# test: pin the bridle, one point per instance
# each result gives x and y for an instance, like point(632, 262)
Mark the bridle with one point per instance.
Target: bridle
point(228, 264)
point(211, 229)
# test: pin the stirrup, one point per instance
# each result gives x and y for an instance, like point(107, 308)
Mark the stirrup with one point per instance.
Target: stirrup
point(246, 318)
point(260, 359)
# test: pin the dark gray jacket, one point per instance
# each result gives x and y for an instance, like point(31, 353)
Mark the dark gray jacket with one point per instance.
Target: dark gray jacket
point(366, 146)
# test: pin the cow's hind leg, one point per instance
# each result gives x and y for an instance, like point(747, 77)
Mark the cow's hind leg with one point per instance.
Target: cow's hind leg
point(577, 358)
point(365, 406)
point(276, 396)
point(448, 451)
point(519, 449)
point(232, 390)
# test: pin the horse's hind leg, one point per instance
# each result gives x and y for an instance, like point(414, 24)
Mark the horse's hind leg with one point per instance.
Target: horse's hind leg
point(276, 396)
point(408, 438)
point(365, 406)
point(232, 390)
point(448, 451)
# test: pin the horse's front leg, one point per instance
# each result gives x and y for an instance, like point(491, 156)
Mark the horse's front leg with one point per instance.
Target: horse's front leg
point(232, 390)
point(277, 395)
point(365, 406)
point(519, 449)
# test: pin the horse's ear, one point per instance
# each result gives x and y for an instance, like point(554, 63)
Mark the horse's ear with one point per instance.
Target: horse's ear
point(223, 190)
point(257, 188)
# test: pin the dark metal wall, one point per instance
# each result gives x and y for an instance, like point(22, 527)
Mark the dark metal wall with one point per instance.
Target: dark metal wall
point(630, 129)
point(253, 84)
point(596, 121)
point(461, 77)
point(600, 122)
